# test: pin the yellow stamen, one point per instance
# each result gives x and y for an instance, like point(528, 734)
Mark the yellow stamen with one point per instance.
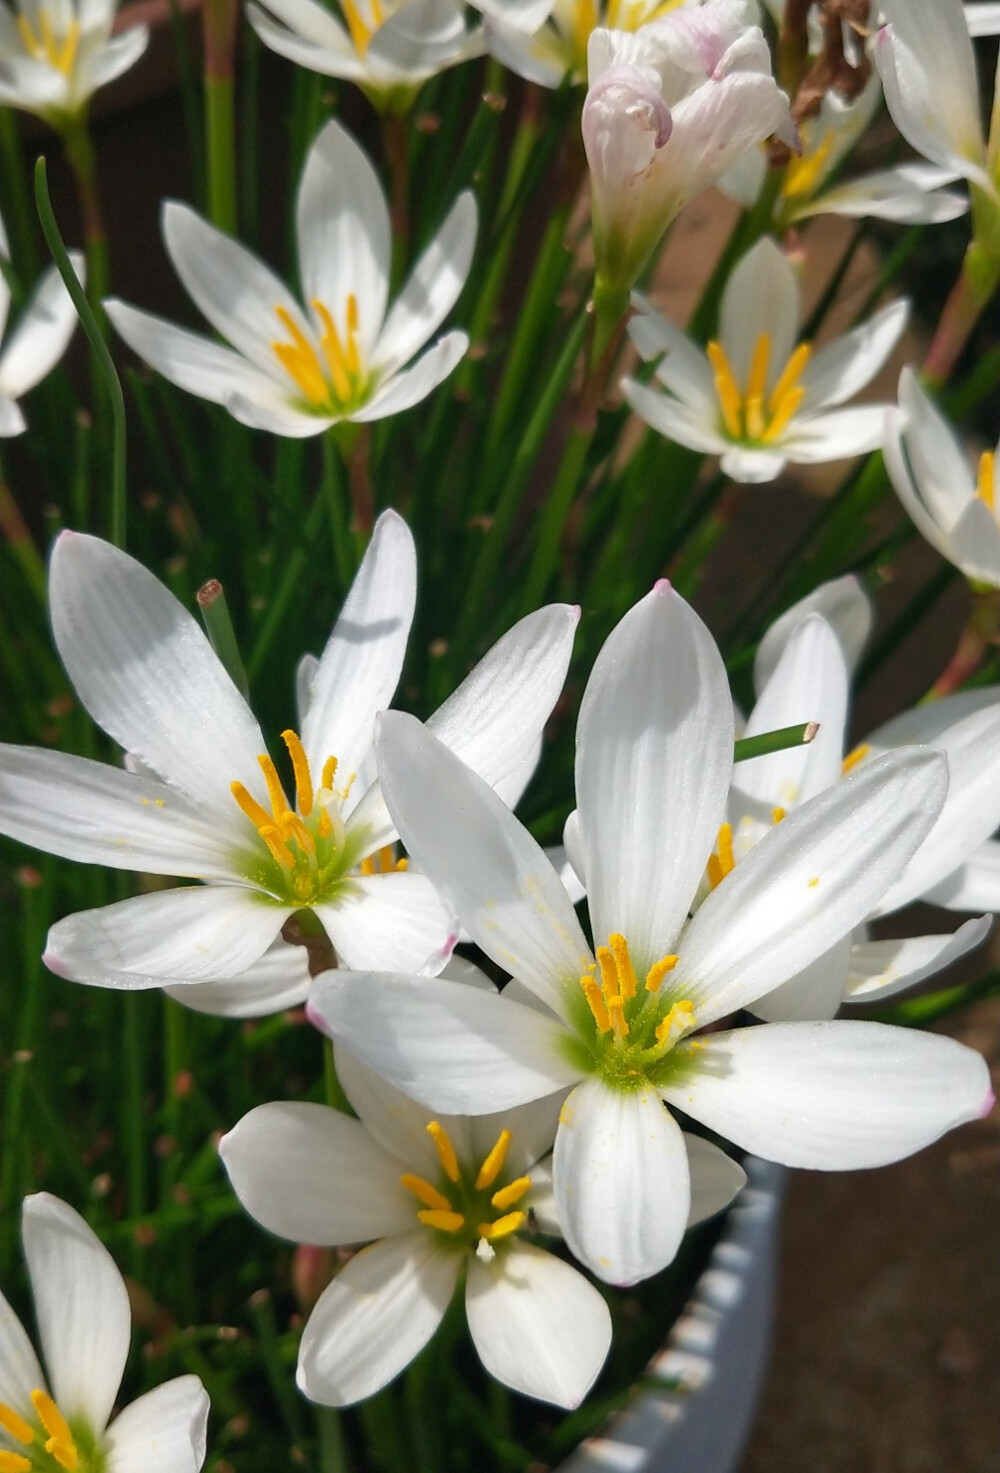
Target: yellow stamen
point(386, 859)
point(424, 1192)
point(777, 814)
point(721, 863)
point(626, 972)
point(789, 376)
point(986, 480)
point(756, 384)
point(448, 1222)
point(853, 758)
point(14, 1463)
point(292, 828)
point(300, 766)
point(401, 865)
point(60, 1443)
point(361, 32)
point(275, 792)
point(781, 417)
point(616, 1012)
point(329, 773)
point(679, 1019)
point(513, 1192)
point(595, 1001)
point(659, 970)
point(804, 172)
point(445, 1150)
point(502, 1227)
point(609, 972)
point(490, 1169)
point(730, 398)
point(279, 849)
point(257, 815)
point(15, 1425)
point(367, 865)
point(325, 826)
point(333, 350)
point(299, 360)
point(60, 55)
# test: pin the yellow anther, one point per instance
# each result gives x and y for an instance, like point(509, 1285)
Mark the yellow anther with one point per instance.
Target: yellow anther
point(275, 792)
point(14, 1463)
point(490, 1169)
point(609, 972)
point(425, 1192)
point(616, 1012)
point(294, 830)
point(329, 773)
point(300, 361)
point(777, 814)
point(680, 1019)
point(804, 172)
point(337, 356)
point(60, 1443)
point(300, 766)
point(513, 1192)
point(789, 377)
point(502, 1227)
point(986, 480)
point(257, 815)
point(445, 1150)
point(60, 54)
point(447, 1222)
point(756, 385)
point(728, 390)
point(659, 970)
point(720, 863)
point(626, 972)
point(15, 1425)
point(361, 31)
point(383, 862)
point(783, 415)
point(279, 849)
point(595, 1001)
point(401, 865)
point(853, 758)
point(386, 859)
point(367, 865)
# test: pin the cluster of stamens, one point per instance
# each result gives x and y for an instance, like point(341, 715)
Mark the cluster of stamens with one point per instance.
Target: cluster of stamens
point(755, 414)
point(624, 1011)
point(50, 1444)
point(334, 381)
point(45, 45)
point(459, 1209)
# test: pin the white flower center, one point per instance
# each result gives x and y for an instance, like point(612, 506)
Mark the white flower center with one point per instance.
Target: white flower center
point(466, 1208)
point(332, 380)
point(752, 414)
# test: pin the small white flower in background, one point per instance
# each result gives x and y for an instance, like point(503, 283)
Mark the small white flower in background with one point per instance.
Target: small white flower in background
point(85, 1327)
point(388, 47)
point(667, 110)
point(55, 53)
point(449, 1198)
point(298, 370)
point(955, 505)
point(39, 339)
point(755, 395)
point(204, 799)
point(654, 765)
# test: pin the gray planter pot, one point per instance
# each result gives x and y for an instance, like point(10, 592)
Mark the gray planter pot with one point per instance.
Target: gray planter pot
point(714, 1358)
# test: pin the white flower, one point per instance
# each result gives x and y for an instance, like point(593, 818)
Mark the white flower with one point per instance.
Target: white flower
point(39, 339)
point(654, 764)
point(955, 508)
point(388, 47)
point(84, 1325)
point(207, 801)
point(294, 370)
point(666, 111)
point(55, 53)
point(925, 57)
point(755, 396)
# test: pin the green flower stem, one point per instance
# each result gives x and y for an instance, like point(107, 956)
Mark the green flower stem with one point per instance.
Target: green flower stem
point(291, 579)
point(981, 633)
point(18, 213)
point(14, 1157)
point(275, 1366)
point(972, 293)
point(611, 306)
point(102, 357)
point(333, 1455)
point(219, 34)
point(775, 741)
point(211, 601)
point(333, 493)
point(83, 162)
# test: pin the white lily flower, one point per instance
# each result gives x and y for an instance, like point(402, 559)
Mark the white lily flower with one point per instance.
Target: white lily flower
point(55, 53)
point(654, 765)
point(925, 58)
point(208, 802)
point(85, 1327)
point(38, 341)
point(298, 370)
point(388, 47)
point(956, 508)
point(757, 396)
point(667, 110)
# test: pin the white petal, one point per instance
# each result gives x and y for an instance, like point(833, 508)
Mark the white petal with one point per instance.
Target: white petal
point(715, 1179)
point(486, 866)
point(20, 1372)
point(280, 416)
point(975, 544)
point(814, 993)
point(841, 368)
point(936, 457)
point(902, 194)
point(396, 1121)
point(313, 1175)
point(844, 605)
point(359, 668)
point(150, 678)
point(333, 56)
point(375, 1317)
point(432, 288)
point(751, 466)
point(41, 335)
point(832, 1096)
point(411, 385)
point(387, 923)
point(12, 421)
point(975, 885)
point(880, 969)
point(622, 1184)
point(810, 880)
point(683, 367)
point(161, 1432)
point(537, 1324)
point(458, 1049)
point(653, 763)
point(99, 814)
point(191, 934)
point(114, 58)
point(82, 1309)
point(761, 296)
point(278, 981)
point(696, 426)
point(342, 224)
point(835, 434)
